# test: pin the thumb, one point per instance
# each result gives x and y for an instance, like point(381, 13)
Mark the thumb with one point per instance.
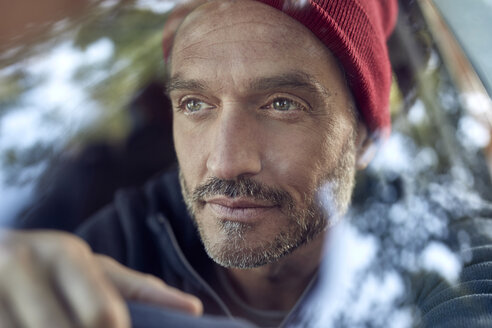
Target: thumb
point(145, 288)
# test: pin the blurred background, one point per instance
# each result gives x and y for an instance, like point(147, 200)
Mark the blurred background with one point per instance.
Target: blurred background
point(83, 113)
point(82, 110)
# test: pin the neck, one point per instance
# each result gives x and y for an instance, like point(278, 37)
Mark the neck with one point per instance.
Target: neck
point(279, 285)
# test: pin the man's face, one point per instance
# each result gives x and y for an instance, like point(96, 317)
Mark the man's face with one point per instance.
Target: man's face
point(263, 131)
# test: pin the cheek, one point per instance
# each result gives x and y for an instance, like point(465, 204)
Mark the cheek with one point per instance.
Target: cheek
point(190, 146)
point(295, 159)
point(301, 156)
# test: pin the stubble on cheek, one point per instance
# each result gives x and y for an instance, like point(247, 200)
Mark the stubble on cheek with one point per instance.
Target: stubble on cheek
point(334, 194)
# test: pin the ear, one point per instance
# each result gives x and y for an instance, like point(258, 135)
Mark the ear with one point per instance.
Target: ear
point(365, 147)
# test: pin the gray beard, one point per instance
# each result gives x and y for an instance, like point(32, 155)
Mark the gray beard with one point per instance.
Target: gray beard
point(323, 208)
point(237, 252)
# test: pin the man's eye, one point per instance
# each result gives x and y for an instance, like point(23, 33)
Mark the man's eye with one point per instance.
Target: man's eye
point(194, 105)
point(284, 105)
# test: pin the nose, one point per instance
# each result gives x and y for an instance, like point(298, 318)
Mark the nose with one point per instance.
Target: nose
point(236, 146)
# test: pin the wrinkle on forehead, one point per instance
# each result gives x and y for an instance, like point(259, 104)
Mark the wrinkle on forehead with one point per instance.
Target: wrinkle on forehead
point(281, 28)
point(256, 22)
point(244, 50)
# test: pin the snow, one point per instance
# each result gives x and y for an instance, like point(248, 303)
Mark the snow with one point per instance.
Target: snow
point(473, 132)
point(156, 6)
point(49, 113)
point(439, 258)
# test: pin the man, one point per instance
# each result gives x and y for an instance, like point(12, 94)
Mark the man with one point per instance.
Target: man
point(276, 104)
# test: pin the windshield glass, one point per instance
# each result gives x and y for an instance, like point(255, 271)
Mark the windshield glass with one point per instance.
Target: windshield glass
point(83, 113)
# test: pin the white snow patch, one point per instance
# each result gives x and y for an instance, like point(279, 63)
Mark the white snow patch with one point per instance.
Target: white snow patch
point(156, 6)
point(52, 111)
point(394, 155)
point(417, 114)
point(479, 103)
point(101, 50)
point(377, 291)
point(440, 259)
point(474, 133)
point(109, 3)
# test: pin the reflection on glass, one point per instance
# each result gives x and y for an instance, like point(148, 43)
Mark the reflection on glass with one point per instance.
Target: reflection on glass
point(417, 209)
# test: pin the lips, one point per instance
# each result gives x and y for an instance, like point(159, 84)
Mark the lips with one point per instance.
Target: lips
point(239, 209)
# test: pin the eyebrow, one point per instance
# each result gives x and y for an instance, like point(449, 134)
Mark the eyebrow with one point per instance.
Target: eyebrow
point(290, 80)
point(177, 83)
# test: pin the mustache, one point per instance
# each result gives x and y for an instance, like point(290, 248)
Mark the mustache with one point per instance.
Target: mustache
point(242, 187)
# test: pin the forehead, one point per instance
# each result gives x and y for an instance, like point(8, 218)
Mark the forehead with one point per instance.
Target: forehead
point(251, 20)
point(245, 39)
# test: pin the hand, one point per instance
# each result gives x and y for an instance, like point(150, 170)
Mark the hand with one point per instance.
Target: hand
point(52, 279)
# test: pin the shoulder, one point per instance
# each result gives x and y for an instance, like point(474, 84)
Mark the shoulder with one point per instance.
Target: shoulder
point(468, 301)
point(114, 228)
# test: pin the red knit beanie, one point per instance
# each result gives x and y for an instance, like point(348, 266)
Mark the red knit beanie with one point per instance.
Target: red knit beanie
point(356, 32)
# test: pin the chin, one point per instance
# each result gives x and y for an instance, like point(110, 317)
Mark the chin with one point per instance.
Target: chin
point(239, 245)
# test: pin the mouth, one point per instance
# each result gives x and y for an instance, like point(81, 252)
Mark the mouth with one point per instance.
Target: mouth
point(239, 209)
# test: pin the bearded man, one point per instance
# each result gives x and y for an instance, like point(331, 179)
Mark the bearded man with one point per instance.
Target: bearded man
point(276, 104)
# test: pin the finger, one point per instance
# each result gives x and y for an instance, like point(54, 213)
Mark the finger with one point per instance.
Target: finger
point(89, 295)
point(27, 293)
point(139, 287)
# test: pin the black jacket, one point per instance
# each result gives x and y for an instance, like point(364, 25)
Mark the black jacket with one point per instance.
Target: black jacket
point(149, 230)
